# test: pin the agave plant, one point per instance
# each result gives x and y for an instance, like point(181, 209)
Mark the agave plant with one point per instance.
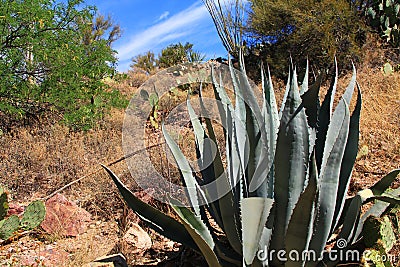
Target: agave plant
point(287, 175)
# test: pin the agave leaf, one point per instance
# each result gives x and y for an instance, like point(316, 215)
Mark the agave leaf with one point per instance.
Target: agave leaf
point(348, 94)
point(329, 175)
point(269, 98)
point(155, 219)
point(266, 238)
point(300, 226)
point(348, 231)
point(240, 105)
point(288, 84)
point(349, 158)
point(255, 212)
point(381, 187)
point(378, 208)
point(239, 118)
point(220, 92)
point(394, 200)
point(200, 136)
point(184, 167)
point(230, 212)
point(227, 115)
point(205, 152)
point(255, 160)
point(226, 111)
point(304, 85)
point(291, 160)
point(259, 161)
point(311, 103)
point(198, 231)
point(332, 95)
point(235, 174)
point(324, 119)
point(271, 122)
point(226, 255)
point(383, 184)
point(209, 173)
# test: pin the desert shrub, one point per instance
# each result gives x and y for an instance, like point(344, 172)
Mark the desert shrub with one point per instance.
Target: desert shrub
point(317, 30)
point(55, 55)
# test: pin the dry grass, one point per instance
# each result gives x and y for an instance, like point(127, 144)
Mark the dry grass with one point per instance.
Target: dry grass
point(37, 160)
point(380, 126)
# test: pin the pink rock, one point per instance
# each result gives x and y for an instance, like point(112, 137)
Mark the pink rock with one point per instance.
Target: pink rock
point(15, 209)
point(64, 217)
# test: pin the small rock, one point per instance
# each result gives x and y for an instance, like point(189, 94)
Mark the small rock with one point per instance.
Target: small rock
point(138, 239)
point(48, 257)
point(64, 217)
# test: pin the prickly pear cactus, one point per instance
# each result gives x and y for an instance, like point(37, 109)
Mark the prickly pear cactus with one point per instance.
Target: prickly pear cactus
point(34, 215)
point(379, 232)
point(9, 226)
point(379, 238)
point(376, 258)
point(3, 203)
point(385, 15)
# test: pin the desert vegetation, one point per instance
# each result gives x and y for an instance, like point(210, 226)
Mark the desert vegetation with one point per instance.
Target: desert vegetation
point(51, 137)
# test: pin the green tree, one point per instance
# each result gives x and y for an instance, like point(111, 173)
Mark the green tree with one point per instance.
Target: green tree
point(177, 54)
point(54, 55)
point(318, 30)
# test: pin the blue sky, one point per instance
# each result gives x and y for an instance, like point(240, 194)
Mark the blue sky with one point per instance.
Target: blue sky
point(153, 25)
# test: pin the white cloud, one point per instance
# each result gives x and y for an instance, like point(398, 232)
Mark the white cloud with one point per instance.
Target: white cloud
point(163, 16)
point(180, 24)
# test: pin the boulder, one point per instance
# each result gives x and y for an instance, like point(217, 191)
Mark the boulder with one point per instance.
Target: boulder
point(65, 218)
